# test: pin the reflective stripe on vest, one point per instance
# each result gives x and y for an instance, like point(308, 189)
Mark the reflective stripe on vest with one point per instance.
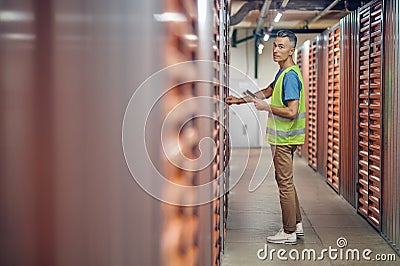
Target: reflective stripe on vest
point(282, 130)
point(288, 133)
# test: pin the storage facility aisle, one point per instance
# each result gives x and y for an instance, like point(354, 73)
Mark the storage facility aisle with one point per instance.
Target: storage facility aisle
point(329, 221)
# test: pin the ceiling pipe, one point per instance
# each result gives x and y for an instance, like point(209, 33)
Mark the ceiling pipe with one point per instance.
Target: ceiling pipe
point(322, 13)
point(263, 15)
point(284, 4)
point(244, 11)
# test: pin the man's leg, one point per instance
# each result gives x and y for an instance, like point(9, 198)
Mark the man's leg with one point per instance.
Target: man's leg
point(283, 162)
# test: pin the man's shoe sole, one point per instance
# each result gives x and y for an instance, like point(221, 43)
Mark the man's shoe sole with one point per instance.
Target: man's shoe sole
point(286, 242)
point(299, 235)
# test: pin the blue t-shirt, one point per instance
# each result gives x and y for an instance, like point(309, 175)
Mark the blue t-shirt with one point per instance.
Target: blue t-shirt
point(291, 86)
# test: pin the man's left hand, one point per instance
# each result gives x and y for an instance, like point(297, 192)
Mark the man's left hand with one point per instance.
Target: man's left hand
point(261, 105)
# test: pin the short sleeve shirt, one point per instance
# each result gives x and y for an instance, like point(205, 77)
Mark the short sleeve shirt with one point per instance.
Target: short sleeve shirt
point(291, 86)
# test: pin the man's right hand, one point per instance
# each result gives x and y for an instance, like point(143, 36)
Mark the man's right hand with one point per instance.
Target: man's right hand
point(234, 100)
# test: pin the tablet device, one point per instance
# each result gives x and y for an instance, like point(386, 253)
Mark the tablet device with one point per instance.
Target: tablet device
point(252, 95)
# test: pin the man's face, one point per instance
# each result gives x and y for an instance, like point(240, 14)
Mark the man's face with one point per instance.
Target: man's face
point(282, 49)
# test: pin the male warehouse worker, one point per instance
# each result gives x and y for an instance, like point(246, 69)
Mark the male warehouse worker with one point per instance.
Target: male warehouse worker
point(285, 130)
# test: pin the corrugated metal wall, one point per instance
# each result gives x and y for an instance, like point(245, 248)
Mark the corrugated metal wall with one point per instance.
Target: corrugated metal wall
point(391, 129)
point(348, 98)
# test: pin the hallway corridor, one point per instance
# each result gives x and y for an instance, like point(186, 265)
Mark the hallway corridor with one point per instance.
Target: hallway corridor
point(326, 217)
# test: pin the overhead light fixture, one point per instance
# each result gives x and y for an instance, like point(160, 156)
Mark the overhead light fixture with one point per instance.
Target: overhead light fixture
point(190, 37)
point(260, 48)
point(278, 17)
point(170, 17)
point(15, 16)
point(266, 37)
point(17, 36)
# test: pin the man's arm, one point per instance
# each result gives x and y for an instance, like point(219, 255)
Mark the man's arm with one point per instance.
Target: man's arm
point(290, 111)
point(262, 94)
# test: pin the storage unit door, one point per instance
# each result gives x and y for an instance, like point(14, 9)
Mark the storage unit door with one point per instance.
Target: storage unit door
point(312, 105)
point(369, 113)
point(333, 108)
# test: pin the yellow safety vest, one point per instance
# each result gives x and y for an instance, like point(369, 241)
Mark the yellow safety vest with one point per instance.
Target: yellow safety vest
point(281, 130)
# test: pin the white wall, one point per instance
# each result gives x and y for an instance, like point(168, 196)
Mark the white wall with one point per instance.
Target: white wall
point(267, 68)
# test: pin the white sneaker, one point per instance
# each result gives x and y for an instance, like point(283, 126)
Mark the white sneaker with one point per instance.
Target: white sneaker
point(299, 230)
point(282, 238)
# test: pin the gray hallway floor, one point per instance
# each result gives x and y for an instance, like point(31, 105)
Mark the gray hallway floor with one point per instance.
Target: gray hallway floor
point(326, 218)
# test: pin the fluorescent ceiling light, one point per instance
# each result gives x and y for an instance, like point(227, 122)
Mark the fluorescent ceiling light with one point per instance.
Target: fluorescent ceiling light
point(170, 17)
point(11, 16)
point(266, 37)
point(260, 48)
point(17, 36)
point(190, 37)
point(277, 17)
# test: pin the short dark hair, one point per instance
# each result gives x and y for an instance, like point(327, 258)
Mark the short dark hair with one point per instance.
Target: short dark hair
point(287, 33)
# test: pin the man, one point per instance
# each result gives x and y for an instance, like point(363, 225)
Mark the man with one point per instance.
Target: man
point(285, 130)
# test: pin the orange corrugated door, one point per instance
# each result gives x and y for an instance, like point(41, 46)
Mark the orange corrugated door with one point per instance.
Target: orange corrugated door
point(216, 218)
point(369, 113)
point(312, 106)
point(181, 224)
point(333, 108)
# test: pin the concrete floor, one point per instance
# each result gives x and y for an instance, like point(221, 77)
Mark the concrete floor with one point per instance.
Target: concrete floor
point(252, 216)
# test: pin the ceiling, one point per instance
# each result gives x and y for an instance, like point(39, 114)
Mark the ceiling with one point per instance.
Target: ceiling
point(298, 14)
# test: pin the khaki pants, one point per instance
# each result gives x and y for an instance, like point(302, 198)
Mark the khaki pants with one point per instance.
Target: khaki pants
point(283, 162)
